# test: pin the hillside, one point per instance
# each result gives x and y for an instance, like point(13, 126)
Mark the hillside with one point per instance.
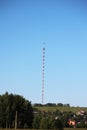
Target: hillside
point(60, 108)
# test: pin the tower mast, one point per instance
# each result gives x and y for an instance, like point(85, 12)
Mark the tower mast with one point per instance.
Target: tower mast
point(43, 71)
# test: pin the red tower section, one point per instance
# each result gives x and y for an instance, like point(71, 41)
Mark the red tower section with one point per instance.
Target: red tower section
point(43, 71)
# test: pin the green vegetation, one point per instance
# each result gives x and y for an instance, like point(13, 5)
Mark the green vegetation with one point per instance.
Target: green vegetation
point(75, 129)
point(17, 112)
point(60, 108)
point(48, 129)
point(69, 117)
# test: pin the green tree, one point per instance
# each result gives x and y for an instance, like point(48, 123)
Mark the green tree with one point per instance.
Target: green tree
point(36, 121)
point(58, 124)
point(9, 105)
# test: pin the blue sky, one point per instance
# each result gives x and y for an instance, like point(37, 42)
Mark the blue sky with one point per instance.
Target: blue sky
point(62, 25)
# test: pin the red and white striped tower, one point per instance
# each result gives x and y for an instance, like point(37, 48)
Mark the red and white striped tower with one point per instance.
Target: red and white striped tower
point(43, 71)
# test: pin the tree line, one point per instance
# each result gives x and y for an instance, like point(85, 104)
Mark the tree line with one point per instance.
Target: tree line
point(51, 105)
point(17, 112)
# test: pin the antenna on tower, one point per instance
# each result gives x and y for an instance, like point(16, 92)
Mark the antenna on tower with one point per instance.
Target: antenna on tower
point(43, 71)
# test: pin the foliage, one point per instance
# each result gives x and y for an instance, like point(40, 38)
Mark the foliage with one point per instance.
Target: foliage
point(46, 120)
point(9, 105)
point(51, 105)
point(60, 108)
point(17, 112)
point(36, 121)
point(60, 119)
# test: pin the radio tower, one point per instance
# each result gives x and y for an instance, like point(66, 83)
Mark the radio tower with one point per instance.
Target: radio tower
point(43, 71)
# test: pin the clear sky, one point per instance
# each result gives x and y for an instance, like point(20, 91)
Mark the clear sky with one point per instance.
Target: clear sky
point(24, 26)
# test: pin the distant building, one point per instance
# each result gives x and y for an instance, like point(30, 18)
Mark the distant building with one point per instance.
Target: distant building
point(81, 113)
point(71, 122)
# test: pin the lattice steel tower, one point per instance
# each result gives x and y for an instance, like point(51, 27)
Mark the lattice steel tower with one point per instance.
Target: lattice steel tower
point(43, 72)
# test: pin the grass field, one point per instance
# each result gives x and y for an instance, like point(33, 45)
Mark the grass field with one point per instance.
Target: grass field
point(67, 109)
